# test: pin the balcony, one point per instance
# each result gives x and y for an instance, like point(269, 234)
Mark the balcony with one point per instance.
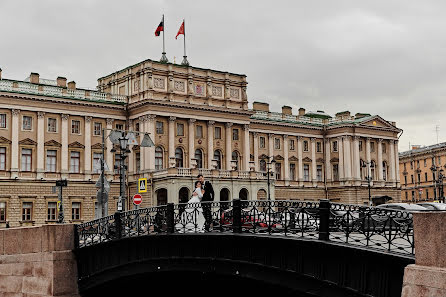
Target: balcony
point(188, 172)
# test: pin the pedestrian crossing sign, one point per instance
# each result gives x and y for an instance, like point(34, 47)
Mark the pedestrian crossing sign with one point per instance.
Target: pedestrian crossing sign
point(142, 185)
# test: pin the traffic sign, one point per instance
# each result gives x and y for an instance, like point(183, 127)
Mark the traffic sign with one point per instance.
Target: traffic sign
point(137, 199)
point(142, 185)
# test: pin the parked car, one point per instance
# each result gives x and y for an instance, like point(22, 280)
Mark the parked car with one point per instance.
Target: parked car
point(433, 205)
point(402, 206)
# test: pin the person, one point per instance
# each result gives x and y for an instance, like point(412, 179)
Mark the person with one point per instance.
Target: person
point(208, 197)
point(192, 219)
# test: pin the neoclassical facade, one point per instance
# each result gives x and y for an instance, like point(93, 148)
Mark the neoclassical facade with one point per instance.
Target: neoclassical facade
point(200, 122)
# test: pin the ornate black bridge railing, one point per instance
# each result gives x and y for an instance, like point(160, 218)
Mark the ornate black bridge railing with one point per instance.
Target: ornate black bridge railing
point(369, 227)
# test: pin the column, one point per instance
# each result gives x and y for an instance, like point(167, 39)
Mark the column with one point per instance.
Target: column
point(150, 151)
point(109, 146)
point(313, 162)
point(255, 144)
point(300, 165)
point(356, 161)
point(369, 159)
point(87, 152)
point(142, 150)
point(347, 158)
point(246, 151)
point(172, 141)
point(380, 160)
point(64, 150)
point(271, 151)
point(228, 147)
point(286, 161)
point(392, 162)
point(40, 145)
point(191, 137)
point(131, 155)
point(397, 164)
point(327, 160)
point(211, 125)
point(15, 126)
point(341, 159)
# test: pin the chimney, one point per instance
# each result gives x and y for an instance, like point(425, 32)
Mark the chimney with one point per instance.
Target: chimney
point(343, 115)
point(72, 85)
point(0, 73)
point(61, 82)
point(260, 106)
point(301, 111)
point(34, 78)
point(288, 110)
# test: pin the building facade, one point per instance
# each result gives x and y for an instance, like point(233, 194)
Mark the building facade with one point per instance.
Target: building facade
point(420, 171)
point(200, 122)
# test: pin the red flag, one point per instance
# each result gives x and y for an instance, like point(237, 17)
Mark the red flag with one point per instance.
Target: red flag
point(181, 30)
point(160, 28)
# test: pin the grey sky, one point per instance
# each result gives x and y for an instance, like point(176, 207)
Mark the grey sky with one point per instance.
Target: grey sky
point(381, 57)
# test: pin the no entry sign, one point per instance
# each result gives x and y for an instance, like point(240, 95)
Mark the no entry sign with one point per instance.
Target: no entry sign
point(137, 199)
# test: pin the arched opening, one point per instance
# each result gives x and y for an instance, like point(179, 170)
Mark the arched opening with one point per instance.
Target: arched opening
point(261, 194)
point(236, 157)
point(217, 157)
point(161, 196)
point(243, 194)
point(224, 197)
point(179, 158)
point(159, 163)
point(199, 158)
point(183, 195)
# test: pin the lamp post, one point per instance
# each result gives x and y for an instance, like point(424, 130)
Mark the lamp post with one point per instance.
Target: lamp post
point(369, 180)
point(438, 181)
point(269, 165)
point(123, 151)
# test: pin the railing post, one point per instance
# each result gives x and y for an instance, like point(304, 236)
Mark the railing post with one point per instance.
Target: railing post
point(118, 225)
point(170, 218)
point(237, 216)
point(324, 219)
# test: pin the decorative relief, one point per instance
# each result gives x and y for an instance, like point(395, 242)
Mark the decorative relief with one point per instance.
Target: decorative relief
point(199, 89)
point(88, 119)
point(234, 93)
point(65, 117)
point(179, 86)
point(158, 83)
point(15, 112)
point(40, 114)
point(217, 91)
point(136, 85)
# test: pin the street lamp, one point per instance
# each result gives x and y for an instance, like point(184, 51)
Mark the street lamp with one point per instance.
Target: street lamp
point(123, 151)
point(269, 166)
point(368, 178)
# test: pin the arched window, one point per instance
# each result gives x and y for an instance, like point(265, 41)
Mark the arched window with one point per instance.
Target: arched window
point(199, 158)
point(179, 158)
point(217, 157)
point(262, 165)
point(235, 157)
point(159, 164)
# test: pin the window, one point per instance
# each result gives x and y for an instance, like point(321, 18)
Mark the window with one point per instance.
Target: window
point(234, 134)
point(261, 142)
point(405, 167)
point(2, 158)
point(334, 146)
point(199, 131)
point(159, 127)
point(52, 125)
point(425, 176)
point(292, 145)
point(305, 146)
point(319, 147)
point(27, 123)
point(235, 157)
point(2, 120)
point(278, 170)
point(425, 164)
point(384, 148)
point(292, 171)
point(180, 129)
point(27, 210)
point(26, 159)
point(406, 196)
point(117, 163)
point(372, 170)
point(75, 158)
point(75, 210)
point(217, 157)
point(2, 211)
point(319, 172)
point(419, 178)
point(179, 158)
point(119, 127)
point(418, 163)
point(405, 180)
point(52, 210)
point(217, 132)
point(411, 164)
point(262, 166)
point(97, 129)
point(159, 158)
point(427, 194)
point(75, 127)
point(277, 143)
point(306, 172)
point(439, 161)
point(137, 127)
point(413, 195)
point(199, 158)
point(360, 145)
point(372, 146)
point(97, 162)
point(335, 172)
point(51, 160)
point(433, 160)
point(411, 179)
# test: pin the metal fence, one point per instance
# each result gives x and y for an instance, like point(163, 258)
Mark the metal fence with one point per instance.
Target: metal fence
point(370, 227)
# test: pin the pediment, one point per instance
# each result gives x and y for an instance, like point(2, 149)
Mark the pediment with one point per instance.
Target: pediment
point(334, 160)
point(52, 143)
point(263, 156)
point(306, 159)
point(293, 158)
point(27, 141)
point(376, 121)
point(76, 145)
point(278, 157)
point(4, 140)
point(320, 160)
point(96, 146)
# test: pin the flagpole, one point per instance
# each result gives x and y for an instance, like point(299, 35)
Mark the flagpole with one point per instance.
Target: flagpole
point(164, 57)
point(185, 61)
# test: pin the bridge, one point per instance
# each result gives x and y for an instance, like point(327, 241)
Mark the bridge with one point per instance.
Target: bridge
point(295, 247)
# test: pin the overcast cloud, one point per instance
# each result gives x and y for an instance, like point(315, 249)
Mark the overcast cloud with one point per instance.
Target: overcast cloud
point(380, 57)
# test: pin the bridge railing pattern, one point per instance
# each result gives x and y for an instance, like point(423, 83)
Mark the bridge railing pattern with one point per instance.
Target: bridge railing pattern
point(369, 227)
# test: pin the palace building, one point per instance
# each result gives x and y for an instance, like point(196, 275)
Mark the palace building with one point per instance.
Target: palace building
point(200, 122)
point(421, 170)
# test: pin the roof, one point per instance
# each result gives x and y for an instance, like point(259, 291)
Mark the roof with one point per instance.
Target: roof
point(424, 149)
